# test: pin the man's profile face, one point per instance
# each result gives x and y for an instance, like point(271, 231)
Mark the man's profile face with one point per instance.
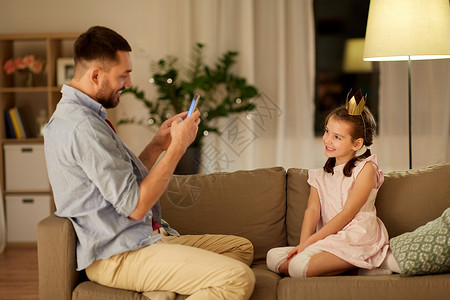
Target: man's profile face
point(115, 81)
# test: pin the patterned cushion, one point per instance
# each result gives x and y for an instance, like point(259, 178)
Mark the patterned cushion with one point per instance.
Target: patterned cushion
point(426, 250)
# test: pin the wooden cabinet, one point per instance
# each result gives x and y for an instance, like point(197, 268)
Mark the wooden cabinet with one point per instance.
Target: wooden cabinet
point(32, 101)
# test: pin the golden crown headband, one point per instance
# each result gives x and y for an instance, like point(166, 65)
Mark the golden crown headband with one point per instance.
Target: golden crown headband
point(355, 104)
point(355, 107)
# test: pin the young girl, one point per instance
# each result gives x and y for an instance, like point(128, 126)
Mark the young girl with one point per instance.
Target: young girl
point(340, 229)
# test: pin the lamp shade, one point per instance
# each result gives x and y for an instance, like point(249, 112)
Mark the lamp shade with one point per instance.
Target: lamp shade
point(398, 29)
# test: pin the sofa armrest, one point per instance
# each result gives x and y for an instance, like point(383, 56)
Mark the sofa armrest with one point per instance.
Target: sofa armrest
point(56, 241)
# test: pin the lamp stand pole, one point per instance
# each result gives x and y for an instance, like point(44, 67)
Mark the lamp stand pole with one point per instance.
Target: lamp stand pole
point(409, 112)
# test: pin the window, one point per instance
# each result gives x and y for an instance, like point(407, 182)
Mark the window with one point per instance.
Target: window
point(340, 28)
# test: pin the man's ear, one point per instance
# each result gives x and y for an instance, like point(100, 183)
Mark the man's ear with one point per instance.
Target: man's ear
point(95, 74)
point(358, 144)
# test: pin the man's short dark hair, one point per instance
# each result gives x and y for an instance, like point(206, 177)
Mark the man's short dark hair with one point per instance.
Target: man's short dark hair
point(99, 43)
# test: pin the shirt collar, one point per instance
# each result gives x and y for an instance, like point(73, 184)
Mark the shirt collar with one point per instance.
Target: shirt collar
point(79, 97)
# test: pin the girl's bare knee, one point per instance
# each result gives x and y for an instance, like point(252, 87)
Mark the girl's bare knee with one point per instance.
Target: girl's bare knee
point(284, 268)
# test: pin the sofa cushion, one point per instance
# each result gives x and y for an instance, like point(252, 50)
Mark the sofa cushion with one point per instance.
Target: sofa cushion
point(89, 290)
point(426, 250)
point(245, 203)
point(266, 283)
point(389, 287)
point(403, 201)
point(297, 192)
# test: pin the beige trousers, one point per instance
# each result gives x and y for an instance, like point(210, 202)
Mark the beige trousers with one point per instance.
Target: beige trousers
point(187, 265)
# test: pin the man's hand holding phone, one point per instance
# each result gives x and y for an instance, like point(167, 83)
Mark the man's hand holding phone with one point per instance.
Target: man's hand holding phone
point(185, 132)
point(193, 105)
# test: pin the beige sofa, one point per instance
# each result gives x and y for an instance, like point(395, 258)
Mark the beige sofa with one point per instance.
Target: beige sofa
point(266, 206)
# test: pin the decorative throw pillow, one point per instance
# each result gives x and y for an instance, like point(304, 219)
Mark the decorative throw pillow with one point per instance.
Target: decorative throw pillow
point(425, 250)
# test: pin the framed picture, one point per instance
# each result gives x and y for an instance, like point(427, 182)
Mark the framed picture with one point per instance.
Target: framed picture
point(64, 70)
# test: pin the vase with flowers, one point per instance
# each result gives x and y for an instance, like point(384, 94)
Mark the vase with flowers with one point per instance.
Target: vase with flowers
point(222, 93)
point(27, 66)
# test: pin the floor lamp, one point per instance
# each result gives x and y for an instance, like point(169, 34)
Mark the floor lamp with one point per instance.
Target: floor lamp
point(406, 30)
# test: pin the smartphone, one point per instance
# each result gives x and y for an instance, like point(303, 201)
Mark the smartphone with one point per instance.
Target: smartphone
point(193, 105)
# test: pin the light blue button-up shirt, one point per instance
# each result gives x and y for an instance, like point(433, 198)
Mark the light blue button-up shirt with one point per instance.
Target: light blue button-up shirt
point(95, 180)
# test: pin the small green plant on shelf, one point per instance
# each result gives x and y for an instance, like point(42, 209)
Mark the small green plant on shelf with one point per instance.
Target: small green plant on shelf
point(222, 92)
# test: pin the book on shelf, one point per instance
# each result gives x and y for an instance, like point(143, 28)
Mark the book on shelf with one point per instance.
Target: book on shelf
point(14, 124)
point(10, 133)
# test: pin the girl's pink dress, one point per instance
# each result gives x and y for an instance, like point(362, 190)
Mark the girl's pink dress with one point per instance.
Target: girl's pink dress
point(364, 241)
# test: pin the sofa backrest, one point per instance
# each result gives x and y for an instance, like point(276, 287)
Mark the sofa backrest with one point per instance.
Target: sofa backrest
point(251, 204)
point(410, 199)
point(297, 193)
point(267, 205)
point(405, 201)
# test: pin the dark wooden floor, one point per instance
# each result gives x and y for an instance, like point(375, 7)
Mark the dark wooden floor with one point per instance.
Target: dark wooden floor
point(19, 272)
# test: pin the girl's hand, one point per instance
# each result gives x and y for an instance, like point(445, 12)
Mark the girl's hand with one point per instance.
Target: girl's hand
point(293, 253)
point(296, 251)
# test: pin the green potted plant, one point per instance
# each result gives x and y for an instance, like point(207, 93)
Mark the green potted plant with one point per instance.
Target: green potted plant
point(222, 93)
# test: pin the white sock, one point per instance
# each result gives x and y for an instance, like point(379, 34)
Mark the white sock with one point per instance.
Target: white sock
point(390, 263)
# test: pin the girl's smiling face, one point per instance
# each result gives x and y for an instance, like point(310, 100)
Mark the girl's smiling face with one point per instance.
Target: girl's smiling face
point(338, 141)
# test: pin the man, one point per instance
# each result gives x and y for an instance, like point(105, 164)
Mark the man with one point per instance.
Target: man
point(111, 197)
